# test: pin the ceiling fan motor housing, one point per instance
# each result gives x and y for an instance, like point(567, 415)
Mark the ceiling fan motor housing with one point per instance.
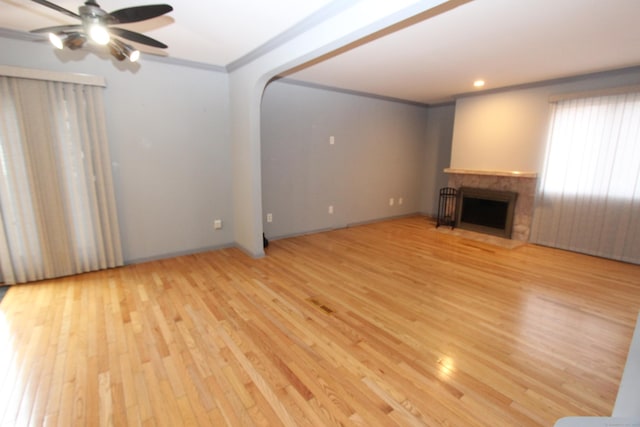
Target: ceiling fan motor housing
point(91, 14)
point(91, 11)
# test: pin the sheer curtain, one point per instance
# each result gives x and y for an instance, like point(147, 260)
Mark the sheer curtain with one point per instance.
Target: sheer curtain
point(57, 207)
point(589, 193)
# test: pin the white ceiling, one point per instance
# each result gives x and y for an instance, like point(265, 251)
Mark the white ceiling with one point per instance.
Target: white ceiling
point(214, 32)
point(505, 42)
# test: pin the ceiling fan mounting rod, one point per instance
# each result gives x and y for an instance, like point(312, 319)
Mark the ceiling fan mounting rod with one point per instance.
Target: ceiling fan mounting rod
point(91, 11)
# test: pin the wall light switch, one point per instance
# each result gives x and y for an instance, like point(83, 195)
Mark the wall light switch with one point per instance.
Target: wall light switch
point(330, 209)
point(332, 140)
point(400, 200)
point(269, 217)
point(391, 201)
point(217, 224)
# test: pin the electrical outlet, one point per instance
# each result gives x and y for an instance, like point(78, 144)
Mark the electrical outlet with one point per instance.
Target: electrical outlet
point(391, 201)
point(330, 209)
point(217, 224)
point(269, 217)
point(400, 201)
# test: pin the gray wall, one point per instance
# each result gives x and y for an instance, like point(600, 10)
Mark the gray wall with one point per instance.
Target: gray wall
point(379, 153)
point(170, 147)
point(437, 156)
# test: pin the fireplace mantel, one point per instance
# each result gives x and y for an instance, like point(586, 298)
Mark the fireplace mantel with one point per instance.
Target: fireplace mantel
point(514, 174)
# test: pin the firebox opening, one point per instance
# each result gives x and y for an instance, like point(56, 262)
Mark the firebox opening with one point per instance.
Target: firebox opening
point(490, 213)
point(486, 211)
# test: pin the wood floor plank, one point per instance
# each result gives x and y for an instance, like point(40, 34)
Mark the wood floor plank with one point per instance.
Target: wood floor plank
point(390, 323)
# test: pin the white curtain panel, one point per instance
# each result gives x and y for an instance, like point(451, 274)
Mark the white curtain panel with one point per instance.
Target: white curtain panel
point(57, 204)
point(588, 197)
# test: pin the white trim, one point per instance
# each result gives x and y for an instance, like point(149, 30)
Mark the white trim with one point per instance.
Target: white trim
point(35, 74)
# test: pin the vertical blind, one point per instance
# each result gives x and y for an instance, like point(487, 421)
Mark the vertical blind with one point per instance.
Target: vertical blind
point(588, 197)
point(57, 207)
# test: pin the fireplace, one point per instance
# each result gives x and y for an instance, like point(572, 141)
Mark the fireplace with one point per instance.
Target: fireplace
point(485, 210)
point(522, 183)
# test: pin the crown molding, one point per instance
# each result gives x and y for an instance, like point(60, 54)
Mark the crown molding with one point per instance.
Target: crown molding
point(288, 80)
point(550, 82)
point(183, 62)
point(326, 12)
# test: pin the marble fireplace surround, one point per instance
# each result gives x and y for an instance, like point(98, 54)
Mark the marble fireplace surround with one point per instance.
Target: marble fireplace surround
point(523, 183)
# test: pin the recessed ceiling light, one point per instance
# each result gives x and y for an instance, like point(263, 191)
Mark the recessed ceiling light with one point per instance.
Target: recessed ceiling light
point(478, 83)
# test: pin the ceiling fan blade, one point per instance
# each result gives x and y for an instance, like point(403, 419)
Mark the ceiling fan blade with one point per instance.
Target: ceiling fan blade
point(57, 29)
point(58, 8)
point(140, 13)
point(136, 37)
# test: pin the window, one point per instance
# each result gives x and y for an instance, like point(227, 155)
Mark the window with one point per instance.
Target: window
point(57, 207)
point(588, 196)
point(594, 147)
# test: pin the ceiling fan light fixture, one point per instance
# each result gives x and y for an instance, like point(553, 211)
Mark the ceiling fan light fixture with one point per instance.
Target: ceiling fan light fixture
point(96, 27)
point(134, 55)
point(57, 40)
point(99, 34)
point(130, 52)
point(120, 51)
point(75, 41)
point(71, 40)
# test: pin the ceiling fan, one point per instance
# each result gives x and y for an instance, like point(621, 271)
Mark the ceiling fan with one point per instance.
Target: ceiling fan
point(96, 27)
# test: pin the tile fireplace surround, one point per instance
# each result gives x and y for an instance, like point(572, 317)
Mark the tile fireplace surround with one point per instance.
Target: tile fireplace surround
point(523, 183)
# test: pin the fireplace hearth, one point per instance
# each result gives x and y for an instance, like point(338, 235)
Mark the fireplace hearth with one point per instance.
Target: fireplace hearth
point(486, 210)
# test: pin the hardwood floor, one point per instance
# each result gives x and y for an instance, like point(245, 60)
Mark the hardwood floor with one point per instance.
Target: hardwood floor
point(390, 323)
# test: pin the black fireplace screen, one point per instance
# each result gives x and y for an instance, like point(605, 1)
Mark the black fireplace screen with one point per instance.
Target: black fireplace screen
point(487, 211)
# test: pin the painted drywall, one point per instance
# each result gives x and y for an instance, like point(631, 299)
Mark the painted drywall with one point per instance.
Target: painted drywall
point(354, 22)
point(437, 156)
point(506, 131)
point(377, 154)
point(159, 113)
point(170, 147)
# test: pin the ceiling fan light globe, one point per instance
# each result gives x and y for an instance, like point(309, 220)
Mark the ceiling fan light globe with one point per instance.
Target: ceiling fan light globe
point(99, 34)
point(134, 55)
point(56, 40)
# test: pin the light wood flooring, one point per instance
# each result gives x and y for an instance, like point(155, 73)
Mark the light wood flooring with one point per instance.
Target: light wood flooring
point(384, 324)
